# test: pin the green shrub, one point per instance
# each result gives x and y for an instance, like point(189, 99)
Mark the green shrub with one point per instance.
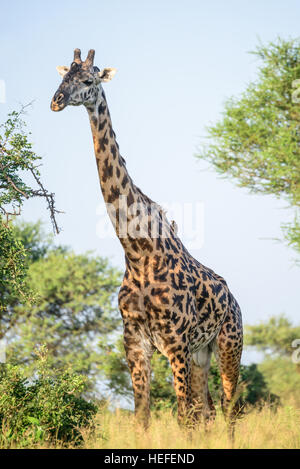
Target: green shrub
point(46, 409)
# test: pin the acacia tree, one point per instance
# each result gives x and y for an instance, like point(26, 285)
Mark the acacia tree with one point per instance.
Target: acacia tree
point(256, 142)
point(17, 161)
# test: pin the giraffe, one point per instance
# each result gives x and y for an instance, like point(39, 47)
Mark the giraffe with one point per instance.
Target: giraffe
point(168, 300)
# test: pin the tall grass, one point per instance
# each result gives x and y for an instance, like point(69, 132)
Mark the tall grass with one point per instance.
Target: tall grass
point(263, 429)
point(259, 429)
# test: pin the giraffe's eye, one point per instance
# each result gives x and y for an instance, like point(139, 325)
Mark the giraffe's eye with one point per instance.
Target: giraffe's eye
point(87, 82)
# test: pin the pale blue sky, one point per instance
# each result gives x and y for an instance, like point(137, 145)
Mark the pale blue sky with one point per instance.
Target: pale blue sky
point(177, 63)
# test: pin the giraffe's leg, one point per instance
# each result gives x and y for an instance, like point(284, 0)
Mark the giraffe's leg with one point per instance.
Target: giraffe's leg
point(138, 355)
point(181, 368)
point(228, 351)
point(202, 402)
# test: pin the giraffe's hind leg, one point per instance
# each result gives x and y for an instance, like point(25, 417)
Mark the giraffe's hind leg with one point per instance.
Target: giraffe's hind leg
point(202, 403)
point(228, 351)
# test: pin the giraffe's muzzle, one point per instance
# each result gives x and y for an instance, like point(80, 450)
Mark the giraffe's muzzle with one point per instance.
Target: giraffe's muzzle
point(59, 101)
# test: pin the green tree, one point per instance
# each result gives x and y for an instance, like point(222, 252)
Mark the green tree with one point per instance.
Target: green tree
point(278, 338)
point(256, 143)
point(18, 162)
point(275, 336)
point(283, 377)
point(36, 242)
point(75, 304)
point(13, 269)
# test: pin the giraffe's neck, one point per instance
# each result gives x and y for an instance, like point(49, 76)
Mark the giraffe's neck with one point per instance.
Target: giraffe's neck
point(124, 200)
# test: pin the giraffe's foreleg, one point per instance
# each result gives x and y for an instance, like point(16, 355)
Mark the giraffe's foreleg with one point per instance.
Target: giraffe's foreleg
point(138, 355)
point(202, 403)
point(181, 368)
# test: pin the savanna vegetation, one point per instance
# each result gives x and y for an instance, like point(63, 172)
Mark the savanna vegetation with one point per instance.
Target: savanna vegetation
point(65, 381)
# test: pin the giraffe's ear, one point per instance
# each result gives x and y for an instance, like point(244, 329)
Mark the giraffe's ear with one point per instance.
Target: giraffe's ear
point(62, 70)
point(107, 74)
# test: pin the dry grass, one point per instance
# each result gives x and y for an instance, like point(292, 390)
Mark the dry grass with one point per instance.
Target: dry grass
point(264, 429)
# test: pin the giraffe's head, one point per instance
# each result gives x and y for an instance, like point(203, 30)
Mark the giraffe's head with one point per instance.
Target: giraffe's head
point(81, 82)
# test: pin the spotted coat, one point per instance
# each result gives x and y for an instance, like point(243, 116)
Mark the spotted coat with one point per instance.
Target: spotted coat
point(168, 300)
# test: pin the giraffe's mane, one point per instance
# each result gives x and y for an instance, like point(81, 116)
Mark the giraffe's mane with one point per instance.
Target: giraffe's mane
point(149, 201)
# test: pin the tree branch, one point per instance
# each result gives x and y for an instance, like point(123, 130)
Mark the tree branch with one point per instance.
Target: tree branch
point(49, 196)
